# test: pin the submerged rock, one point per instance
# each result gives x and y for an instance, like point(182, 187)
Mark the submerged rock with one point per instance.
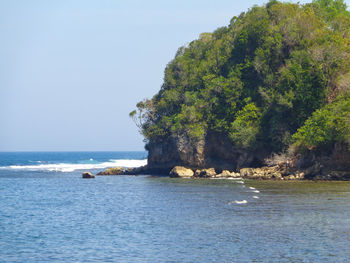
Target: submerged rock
point(112, 171)
point(180, 171)
point(88, 175)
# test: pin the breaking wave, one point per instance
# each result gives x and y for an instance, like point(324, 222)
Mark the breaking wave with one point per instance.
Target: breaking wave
point(70, 167)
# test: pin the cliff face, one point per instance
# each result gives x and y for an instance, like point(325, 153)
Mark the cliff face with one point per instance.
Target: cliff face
point(218, 152)
point(332, 162)
point(165, 153)
point(214, 151)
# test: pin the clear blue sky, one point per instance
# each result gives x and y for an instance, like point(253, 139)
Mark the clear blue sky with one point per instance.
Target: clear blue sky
point(71, 71)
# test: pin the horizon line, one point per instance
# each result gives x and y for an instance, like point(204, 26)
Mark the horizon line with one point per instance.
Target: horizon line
point(72, 151)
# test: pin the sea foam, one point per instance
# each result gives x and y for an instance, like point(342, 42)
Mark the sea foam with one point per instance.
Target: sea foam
point(70, 167)
point(241, 202)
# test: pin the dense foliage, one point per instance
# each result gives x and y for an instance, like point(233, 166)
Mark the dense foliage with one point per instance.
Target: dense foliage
point(271, 71)
point(327, 125)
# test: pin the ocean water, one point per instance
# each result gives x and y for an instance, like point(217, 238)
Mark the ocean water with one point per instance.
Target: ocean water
point(48, 213)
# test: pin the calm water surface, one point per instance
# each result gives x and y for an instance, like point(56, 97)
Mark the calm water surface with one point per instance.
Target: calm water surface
point(53, 216)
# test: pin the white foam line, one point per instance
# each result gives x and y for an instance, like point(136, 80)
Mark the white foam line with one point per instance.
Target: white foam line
point(256, 191)
point(70, 167)
point(252, 188)
point(256, 197)
point(241, 202)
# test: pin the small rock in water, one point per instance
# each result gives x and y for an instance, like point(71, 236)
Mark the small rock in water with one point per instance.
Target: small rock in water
point(88, 175)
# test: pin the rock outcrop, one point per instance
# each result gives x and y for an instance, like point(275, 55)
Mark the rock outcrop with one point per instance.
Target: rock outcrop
point(214, 151)
point(262, 173)
point(206, 173)
point(168, 152)
point(180, 171)
point(112, 171)
point(136, 170)
point(332, 163)
point(277, 172)
point(88, 175)
point(228, 174)
point(179, 158)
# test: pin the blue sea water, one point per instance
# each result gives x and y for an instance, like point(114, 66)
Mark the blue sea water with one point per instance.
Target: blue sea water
point(48, 213)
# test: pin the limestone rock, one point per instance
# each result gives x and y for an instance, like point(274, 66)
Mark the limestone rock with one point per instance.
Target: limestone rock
point(266, 172)
point(224, 173)
point(233, 174)
point(112, 171)
point(210, 172)
point(88, 175)
point(246, 172)
point(277, 175)
point(227, 174)
point(289, 177)
point(299, 175)
point(180, 171)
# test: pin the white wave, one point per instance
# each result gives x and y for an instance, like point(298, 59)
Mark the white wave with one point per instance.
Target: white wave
point(70, 167)
point(91, 159)
point(241, 202)
point(252, 188)
point(256, 191)
point(256, 197)
point(234, 178)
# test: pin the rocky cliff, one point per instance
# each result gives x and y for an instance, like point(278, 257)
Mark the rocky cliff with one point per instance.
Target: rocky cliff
point(217, 151)
point(214, 151)
point(326, 163)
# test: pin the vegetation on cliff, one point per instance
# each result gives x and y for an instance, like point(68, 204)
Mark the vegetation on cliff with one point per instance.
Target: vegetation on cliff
point(276, 76)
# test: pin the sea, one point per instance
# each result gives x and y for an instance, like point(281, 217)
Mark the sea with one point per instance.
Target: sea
point(48, 213)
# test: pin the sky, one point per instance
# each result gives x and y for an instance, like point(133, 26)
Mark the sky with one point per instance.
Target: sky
point(71, 71)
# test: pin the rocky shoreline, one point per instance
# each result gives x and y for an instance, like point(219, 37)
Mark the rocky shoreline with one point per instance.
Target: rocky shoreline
point(281, 171)
point(277, 172)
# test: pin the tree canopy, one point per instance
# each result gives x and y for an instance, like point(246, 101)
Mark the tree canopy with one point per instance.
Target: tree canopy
point(271, 78)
